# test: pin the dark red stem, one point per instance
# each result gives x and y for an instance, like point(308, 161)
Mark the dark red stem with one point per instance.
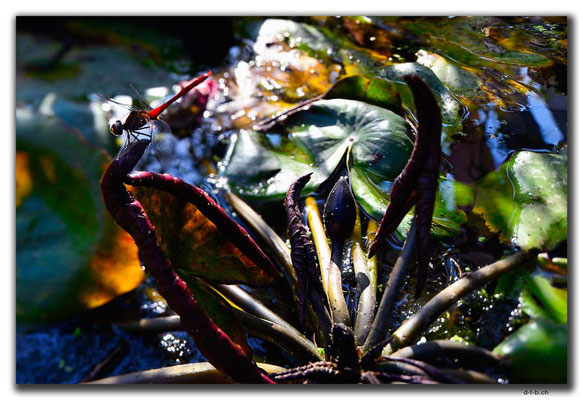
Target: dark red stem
point(427, 190)
point(155, 113)
point(215, 213)
point(427, 141)
point(213, 343)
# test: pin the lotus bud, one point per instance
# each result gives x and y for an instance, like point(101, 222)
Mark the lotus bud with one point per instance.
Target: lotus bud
point(340, 211)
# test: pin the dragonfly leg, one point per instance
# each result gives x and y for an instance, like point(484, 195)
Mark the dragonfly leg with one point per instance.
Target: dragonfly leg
point(133, 134)
point(138, 134)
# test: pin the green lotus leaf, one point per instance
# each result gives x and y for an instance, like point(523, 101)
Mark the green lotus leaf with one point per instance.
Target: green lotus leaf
point(263, 166)
point(448, 216)
point(378, 145)
point(525, 200)
point(540, 299)
point(376, 91)
point(456, 78)
point(70, 255)
point(536, 353)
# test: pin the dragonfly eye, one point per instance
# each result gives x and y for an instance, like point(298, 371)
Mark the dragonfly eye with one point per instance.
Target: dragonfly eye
point(116, 128)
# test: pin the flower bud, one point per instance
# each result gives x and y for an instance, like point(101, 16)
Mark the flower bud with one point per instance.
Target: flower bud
point(340, 211)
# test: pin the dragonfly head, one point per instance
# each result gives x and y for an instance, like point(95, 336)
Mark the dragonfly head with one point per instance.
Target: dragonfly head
point(116, 128)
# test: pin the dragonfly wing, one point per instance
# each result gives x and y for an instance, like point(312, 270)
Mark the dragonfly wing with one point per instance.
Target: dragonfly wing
point(143, 103)
point(125, 104)
point(163, 142)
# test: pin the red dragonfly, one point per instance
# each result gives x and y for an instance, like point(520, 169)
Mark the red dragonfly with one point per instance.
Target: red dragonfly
point(146, 123)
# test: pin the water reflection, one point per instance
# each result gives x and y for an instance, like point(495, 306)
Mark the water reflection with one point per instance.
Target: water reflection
point(549, 131)
point(498, 149)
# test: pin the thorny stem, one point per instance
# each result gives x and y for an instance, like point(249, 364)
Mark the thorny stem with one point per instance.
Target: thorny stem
point(322, 372)
point(319, 238)
point(396, 279)
point(410, 329)
point(302, 249)
point(203, 372)
point(213, 343)
point(365, 271)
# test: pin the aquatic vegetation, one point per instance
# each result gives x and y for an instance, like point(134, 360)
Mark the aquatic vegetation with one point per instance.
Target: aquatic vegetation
point(349, 200)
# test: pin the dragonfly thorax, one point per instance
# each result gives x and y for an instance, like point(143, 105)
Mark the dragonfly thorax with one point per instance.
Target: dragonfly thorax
point(136, 120)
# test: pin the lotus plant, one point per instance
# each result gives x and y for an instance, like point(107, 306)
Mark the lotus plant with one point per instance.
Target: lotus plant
point(327, 343)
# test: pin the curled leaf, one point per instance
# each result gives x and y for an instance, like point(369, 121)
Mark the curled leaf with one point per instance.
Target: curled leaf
point(429, 127)
point(211, 210)
point(302, 249)
point(404, 188)
point(303, 253)
point(194, 244)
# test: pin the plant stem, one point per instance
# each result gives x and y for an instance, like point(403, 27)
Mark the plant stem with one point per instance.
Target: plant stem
point(202, 372)
point(412, 328)
point(251, 305)
point(270, 121)
point(303, 253)
point(213, 342)
point(365, 271)
point(433, 372)
point(335, 295)
point(296, 344)
point(383, 317)
point(398, 367)
point(110, 362)
point(280, 250)
point(447, 348)
point(318, 311)
point(468, 376)
point(319, 238)
point(285, 336)
point(158, 324)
